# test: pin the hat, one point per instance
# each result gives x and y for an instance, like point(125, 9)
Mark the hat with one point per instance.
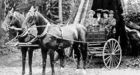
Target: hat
point(106, 11)
point(111, 12)
point(99, 10)
point(91, 12)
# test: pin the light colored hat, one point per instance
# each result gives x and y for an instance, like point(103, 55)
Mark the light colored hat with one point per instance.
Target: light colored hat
point(111, 12)
point(91, 12)
point(106, 11)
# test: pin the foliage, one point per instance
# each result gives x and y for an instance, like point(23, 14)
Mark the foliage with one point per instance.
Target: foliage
point(134, 17)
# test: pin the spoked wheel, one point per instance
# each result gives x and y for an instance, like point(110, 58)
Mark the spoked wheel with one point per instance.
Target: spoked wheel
point(112, 54)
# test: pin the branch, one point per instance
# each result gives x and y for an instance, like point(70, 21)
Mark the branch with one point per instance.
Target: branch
point(133, 25)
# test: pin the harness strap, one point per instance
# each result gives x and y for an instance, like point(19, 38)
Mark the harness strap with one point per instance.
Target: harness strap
point(12, 39)
point(61, 32)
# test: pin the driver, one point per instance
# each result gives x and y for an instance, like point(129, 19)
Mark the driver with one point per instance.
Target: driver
point(112, 21)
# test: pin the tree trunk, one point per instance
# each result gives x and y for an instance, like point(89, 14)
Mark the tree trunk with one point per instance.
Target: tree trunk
point(85, 12)
point(78, 16)
point(60, 11)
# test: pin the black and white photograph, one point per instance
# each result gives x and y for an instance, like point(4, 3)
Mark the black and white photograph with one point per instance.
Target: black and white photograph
point(69, 37)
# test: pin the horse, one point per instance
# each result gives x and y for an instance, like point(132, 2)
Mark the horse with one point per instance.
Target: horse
point(56, 41)
point(63, 37)
point(13, 21)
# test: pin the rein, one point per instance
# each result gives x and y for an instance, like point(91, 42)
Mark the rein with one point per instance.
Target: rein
point(67, 39)
point(11, 41)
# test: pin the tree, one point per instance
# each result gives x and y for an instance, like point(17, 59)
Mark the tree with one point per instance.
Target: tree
point(9, 4)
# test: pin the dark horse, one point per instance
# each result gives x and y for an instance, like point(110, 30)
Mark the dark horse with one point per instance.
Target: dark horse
point(57, 38)
point(13, 21)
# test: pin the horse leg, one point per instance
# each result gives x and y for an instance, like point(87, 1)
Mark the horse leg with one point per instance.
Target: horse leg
point(23, 51)
point(44, 57)
point(62, 57)
point(71, 51)
point(83, 49)
point(77, 52)
point(52, 61)
point(30, 55)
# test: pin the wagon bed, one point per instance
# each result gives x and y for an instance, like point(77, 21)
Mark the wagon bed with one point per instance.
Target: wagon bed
point(100, 45)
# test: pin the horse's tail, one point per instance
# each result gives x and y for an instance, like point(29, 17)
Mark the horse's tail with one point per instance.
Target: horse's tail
point(81, 29)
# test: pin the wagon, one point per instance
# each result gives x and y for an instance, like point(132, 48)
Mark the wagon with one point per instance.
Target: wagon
point(100, 43)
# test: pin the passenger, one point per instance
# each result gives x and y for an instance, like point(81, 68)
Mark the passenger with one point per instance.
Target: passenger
point(112, 21)
point(90, 18)
point(104, 20)
point(98, 19)
point(91, 21)
point(99, 13)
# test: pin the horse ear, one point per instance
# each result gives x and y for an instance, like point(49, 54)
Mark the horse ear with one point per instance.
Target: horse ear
point(12, 10)
point(32, 8)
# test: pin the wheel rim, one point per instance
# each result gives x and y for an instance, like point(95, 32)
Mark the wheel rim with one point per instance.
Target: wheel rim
point(112, 54)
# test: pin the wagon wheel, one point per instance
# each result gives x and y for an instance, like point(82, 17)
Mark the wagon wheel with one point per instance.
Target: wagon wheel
point(112, 54)
point(70, 54)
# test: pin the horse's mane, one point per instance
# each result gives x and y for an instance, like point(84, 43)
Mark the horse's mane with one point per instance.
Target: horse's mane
point(40, 15)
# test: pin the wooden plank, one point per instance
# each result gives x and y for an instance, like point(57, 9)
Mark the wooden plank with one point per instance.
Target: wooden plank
point(94, 42)
point(99, 55)
point(28, 45)
point(96, 52)
point(95, 48)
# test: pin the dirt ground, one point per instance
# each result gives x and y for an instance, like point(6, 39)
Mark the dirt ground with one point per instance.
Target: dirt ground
point(10, 64)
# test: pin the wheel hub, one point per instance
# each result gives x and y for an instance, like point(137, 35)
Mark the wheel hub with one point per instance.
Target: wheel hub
point(113, 53)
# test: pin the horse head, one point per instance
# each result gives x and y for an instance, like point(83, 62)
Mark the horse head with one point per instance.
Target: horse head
point(13, 18)
point(34, 17)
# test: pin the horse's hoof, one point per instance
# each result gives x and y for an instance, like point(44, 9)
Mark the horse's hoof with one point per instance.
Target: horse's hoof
point(43, 73)
point(53, 73)
point(78, 67)
point(84, 67)
point(30, 73)
point(23, 73)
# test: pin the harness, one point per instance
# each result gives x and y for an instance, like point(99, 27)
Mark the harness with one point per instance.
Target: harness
point(45, 30)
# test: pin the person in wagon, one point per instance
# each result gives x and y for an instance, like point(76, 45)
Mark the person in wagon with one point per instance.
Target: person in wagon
point(98, 14)
point(91, 20)
point(112, 20)
point(98, 19)
point(104, 20)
